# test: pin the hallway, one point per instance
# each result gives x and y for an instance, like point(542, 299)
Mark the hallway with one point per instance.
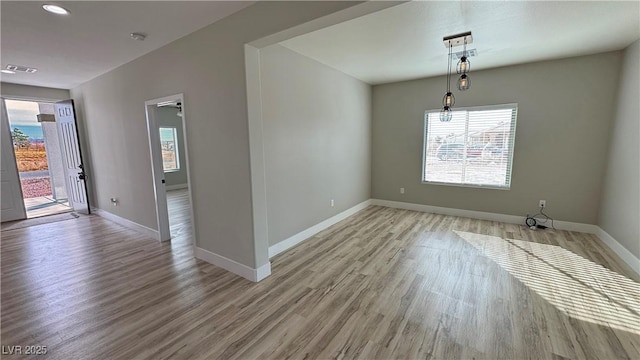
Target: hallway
point(179, 214)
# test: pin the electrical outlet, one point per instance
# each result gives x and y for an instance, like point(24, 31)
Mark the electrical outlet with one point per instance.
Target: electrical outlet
point(114, 201)
point(332, 203)
point(543, 203)
point(401, 190)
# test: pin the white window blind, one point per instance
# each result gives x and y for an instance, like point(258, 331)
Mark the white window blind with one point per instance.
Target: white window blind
point(474, 149)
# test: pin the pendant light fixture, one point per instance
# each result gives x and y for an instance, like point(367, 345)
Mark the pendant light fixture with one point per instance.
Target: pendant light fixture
point(463, 67)
point(463, 64)
point(464, 82)
point(446, 114)
point(448, 100)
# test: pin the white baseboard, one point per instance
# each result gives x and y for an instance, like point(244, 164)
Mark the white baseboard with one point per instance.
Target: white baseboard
point(616, 247)
point(305, 234)
point(263, 271)
point(128, 223)
point(235, 267)
point(176, 187)
point(481, 215)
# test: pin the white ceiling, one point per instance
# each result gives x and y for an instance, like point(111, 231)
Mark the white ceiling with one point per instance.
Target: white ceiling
point(405, 41)
point(94, 37)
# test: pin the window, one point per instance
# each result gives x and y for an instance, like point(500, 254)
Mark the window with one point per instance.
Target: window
point(169, 145)
point(474, 149)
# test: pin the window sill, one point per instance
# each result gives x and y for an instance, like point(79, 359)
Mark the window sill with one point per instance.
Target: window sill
point(171, 171)
point(490, 187)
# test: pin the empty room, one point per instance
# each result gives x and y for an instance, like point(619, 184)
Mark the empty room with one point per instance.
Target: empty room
point(322, 179)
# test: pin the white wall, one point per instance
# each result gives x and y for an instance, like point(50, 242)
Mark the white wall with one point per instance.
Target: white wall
point(564, 116)
point(317, 134)
point(208, 68)
point(167, 117)
point(28, 92)
point(620, 204)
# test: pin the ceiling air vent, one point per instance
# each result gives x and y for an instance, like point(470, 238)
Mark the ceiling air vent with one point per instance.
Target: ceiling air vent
point(470, 53)
point(20, 68)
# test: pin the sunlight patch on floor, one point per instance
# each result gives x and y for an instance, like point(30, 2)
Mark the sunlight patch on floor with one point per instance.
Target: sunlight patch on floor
point(45, 205)
point(576, 286)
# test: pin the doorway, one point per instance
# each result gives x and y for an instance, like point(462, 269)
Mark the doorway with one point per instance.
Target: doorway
point(166, 124)
point(38, 156)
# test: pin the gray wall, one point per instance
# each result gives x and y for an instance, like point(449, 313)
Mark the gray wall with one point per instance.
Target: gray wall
point(620, 208)
point(33, 92)
point(167, 117)
point(564, 116)
point(208, 67)
point(317, 134)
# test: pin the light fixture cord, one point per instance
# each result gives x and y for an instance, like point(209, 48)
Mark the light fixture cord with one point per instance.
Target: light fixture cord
point(449, 69)
point(464, 50)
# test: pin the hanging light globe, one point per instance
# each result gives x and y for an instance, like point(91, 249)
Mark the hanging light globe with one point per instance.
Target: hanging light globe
point(464, 65)
point(446, 114)
point(448, 100)
point(464, 82)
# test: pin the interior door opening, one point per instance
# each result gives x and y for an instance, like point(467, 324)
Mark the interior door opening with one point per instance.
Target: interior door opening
point(38, 156)
point(166, 125)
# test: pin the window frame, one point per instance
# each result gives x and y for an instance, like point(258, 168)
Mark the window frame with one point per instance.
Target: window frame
point(514, 120)
point(175, 150)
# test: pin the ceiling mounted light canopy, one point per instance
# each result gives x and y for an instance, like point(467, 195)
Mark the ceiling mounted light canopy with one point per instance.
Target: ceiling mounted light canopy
point(462, 68)
point(458, 39)
point(55, 9)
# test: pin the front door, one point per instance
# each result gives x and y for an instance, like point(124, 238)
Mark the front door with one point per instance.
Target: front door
point(72, 157)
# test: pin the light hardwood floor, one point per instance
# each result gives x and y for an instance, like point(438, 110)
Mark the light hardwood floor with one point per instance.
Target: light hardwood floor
point(179, 215)
point(385, 283)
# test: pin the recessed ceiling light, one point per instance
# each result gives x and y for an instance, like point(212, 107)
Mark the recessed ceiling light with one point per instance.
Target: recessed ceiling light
point(55, 9)
point(5, 71)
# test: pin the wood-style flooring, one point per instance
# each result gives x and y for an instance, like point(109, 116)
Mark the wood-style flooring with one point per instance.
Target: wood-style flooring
point(382, 284)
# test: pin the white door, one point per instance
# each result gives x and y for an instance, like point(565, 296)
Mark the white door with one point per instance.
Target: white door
point(72, 157)
point(11, 195)
point(159, 182)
